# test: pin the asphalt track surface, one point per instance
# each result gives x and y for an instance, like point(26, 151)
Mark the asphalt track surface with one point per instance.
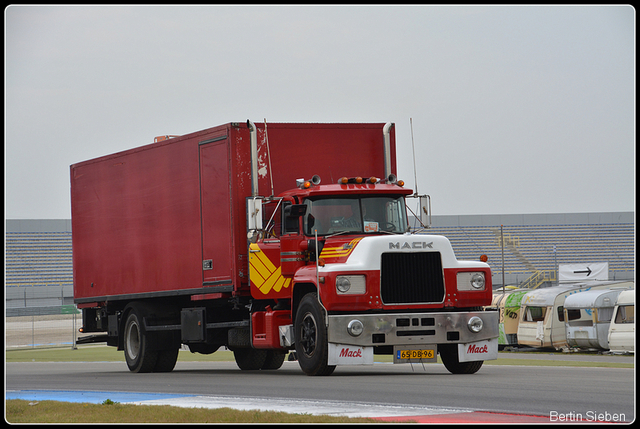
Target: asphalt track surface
point(423, 393)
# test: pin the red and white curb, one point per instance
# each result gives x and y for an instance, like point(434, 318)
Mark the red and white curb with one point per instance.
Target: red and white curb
point(379, 411)
point(382, 412)
point(302, 406)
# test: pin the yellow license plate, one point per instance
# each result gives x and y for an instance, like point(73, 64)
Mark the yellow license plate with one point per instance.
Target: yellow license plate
point(415, 354)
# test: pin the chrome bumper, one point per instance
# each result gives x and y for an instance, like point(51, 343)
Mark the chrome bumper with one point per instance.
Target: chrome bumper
point(412, 328)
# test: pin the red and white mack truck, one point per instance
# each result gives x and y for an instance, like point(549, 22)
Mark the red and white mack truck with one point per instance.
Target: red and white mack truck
point(229, 237)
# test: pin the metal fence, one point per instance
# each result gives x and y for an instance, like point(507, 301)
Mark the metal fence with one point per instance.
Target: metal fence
point(40, 316)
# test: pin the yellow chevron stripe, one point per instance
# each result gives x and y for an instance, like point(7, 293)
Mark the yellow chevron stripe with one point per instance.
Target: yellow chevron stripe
point(259, 268)
point(265, 261)
point(282, 282)
point(264, 274)
point(270, 282)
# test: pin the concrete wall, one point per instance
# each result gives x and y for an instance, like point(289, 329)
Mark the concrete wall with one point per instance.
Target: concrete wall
point(38, 225)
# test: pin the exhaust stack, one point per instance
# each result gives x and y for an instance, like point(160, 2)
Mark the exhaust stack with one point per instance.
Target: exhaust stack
point(254, 157)
point(387, 149)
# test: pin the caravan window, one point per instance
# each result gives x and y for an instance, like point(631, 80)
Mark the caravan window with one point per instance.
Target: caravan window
point(573, 314)
point(534, 314)
point(625, 314)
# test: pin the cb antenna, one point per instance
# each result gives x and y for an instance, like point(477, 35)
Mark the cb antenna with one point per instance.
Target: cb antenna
point(413, 147)
point(268, 154)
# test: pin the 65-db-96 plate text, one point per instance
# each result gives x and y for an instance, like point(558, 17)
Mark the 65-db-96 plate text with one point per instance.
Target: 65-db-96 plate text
point(412, 353)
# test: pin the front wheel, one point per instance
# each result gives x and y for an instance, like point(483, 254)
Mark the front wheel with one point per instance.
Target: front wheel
point(312, 346)
point(449, 356)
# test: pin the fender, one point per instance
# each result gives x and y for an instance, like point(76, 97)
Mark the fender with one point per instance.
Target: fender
point(304, 282)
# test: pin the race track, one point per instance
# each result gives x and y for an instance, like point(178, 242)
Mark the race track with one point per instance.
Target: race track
point(546, 394)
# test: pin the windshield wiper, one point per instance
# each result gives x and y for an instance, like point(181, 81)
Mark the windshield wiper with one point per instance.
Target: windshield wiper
point(343, 232)
point(383, 231)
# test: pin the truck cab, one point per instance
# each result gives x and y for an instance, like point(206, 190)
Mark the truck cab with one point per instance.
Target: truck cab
point(358, 283)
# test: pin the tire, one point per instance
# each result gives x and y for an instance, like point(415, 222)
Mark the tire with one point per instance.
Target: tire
point(312, 347)
point(136, 343)
point(274, 360)
point(166, 360)
point(249, 359)
point(449, 356)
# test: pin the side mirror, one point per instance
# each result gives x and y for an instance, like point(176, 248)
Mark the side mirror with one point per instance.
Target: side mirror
point(295, 210)
point(292, 214)
point(254, 214)
point(425, 210)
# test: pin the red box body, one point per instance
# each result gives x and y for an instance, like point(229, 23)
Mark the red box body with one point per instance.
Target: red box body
point(169, 218)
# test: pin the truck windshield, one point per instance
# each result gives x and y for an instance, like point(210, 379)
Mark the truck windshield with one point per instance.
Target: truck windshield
point(363, 214)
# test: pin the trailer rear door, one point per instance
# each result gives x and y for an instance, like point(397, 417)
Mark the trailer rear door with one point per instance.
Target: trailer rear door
point(217, 234)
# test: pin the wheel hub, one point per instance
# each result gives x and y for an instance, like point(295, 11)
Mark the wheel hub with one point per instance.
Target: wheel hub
point(309, 335)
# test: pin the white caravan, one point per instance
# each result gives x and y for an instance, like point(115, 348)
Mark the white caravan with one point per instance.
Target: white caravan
point(622, 327)
point(587, 318)
point(542, 313)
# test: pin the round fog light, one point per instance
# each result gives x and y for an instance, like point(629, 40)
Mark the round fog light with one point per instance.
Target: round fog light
point(355, 328)
point(475, 324)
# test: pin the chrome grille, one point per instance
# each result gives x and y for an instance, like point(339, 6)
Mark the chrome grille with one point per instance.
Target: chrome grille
point(411, 278)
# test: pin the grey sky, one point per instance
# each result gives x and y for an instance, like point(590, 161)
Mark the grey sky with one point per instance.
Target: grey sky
point(527, 109)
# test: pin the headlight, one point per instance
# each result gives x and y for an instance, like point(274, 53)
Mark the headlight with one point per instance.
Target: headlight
point(475, 324)
point(477, 281)
point(473, 280)
point(352, 285)
point(355, 328)
point(343, 284)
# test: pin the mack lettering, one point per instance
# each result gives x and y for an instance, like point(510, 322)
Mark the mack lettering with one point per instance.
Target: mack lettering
point(346, 352)
point(475, 349)
point(411, 245)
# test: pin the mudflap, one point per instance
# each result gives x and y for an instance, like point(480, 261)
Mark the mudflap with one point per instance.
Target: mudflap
point(342, 354)
point(478, 351)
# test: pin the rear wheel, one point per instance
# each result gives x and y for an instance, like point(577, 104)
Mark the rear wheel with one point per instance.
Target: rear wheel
point(166, 360)
point(136, 343)
point(449, 356)
point(312, 347)
point(249, 359)
point(274, 360)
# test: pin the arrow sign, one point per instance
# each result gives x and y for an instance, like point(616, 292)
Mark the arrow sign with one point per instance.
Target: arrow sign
point(587, 271)
point(583, 271)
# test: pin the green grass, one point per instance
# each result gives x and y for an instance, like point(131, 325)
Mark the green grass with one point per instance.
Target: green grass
point(110, 354)
point(21, 411)
point(537, 362)
point(99, 354)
